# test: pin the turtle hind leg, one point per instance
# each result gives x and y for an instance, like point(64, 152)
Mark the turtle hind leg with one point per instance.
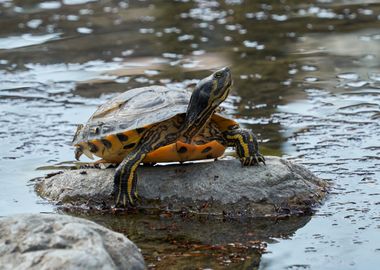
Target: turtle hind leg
point(246, 146)
point(125, 180)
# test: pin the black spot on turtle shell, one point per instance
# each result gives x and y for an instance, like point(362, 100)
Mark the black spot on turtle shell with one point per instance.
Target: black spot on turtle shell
point(183, 149)
point(140, 130)
point(206, 150)
point(106, 143)
point(128, 146)
point(92, 147)
point(122, 137)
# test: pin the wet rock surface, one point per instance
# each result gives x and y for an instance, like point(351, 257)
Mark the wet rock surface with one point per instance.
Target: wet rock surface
point(300, 87)
point(217, 188)
point(47, 241)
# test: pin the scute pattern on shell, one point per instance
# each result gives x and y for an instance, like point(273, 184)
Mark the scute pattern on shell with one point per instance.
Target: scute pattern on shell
point(134, 109)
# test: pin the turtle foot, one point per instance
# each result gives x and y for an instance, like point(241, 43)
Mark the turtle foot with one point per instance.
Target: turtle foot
point(253, 160)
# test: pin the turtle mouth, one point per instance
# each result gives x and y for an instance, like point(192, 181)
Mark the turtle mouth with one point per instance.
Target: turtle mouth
point(229, 83)
point(228, 80)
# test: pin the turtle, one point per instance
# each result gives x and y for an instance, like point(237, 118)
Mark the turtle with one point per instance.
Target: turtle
point(157, 124)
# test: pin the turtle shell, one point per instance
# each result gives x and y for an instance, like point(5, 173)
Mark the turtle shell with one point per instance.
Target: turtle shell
point(134, 109)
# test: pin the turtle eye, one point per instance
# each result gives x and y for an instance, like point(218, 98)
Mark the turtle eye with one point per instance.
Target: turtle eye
point(218, 74)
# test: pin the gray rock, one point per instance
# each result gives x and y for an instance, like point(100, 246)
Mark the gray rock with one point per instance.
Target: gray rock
point(223, 187)
point(48, 241)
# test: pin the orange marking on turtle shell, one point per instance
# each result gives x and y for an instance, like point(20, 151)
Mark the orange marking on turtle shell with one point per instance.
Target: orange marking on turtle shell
point(118, 150)
point(173, 152)
point(95, 146)
point(166, 153)
point(223, 123)
point(115, 143)
point(133, 137)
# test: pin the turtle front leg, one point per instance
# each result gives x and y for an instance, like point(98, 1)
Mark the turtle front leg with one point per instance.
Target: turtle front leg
point(245, 143)
point(125, 179)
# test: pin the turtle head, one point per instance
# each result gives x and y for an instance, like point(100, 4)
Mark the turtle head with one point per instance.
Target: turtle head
point(206, 97)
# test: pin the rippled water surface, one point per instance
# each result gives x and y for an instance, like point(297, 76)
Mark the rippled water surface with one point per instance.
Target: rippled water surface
point(306, 80)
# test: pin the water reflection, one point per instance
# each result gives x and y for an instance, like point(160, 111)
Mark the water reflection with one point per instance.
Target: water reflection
point(25, 40)
point(196, 243)
point(306, 81)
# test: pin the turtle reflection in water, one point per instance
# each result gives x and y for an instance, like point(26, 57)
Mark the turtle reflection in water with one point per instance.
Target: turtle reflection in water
point(156, 124)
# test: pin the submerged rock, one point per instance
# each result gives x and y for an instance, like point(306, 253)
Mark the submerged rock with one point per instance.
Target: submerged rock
point(48, 241)
point(223, 187)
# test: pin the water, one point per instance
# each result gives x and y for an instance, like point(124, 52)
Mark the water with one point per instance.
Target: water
point(306, 80)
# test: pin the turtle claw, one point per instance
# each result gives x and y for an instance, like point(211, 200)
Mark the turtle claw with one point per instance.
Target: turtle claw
point(261, 158)
point(124, 202)
point(252, 160)
point(121, 201)
point(136, 197)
